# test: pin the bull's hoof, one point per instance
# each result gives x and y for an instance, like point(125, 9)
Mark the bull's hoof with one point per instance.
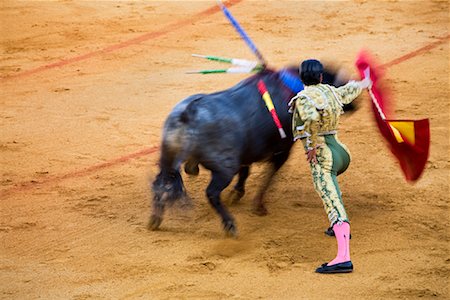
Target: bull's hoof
point(154, 223)
point(235, 196)
point(230, 229)
point(260, 210)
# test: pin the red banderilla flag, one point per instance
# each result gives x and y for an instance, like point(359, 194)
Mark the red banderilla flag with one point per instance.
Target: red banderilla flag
point(408, 140)
point(268, 100)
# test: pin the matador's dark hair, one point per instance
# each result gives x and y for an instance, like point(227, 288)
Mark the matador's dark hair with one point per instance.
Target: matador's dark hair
point(310, 71)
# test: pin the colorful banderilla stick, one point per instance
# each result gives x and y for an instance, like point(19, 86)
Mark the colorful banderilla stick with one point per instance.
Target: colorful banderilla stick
point(233, 61)
point(243, 65)
point(229, 70)
point(268, 100)
point(242, 33)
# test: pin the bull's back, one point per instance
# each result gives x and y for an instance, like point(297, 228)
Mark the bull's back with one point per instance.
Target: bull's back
point(231, 123)
point(261, 138)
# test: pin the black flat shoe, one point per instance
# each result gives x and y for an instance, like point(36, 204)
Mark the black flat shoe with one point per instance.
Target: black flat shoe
point(344, 267)
point(329, 231)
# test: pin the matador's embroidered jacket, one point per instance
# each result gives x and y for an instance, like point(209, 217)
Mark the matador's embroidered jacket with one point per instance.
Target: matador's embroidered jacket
point(317, 110)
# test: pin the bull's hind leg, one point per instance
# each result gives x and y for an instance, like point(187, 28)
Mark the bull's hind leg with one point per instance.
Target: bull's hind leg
point(219, 182)
point(239, 189)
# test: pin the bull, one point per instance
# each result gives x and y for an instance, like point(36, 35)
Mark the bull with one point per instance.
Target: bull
point(226, 132)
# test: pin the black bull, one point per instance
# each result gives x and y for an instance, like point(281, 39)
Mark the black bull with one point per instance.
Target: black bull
point(225, 132)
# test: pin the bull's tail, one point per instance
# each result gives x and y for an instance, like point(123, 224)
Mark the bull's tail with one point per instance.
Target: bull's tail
point(168, 186)
point(174, 150)
point(190, 111)
point(178, 137)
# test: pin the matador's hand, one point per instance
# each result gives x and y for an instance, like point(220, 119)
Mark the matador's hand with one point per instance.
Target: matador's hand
point(311, 155)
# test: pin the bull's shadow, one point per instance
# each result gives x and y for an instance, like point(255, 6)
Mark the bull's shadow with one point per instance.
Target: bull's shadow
point(226, 132)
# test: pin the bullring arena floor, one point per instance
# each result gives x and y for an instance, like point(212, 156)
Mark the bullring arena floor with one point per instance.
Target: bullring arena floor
point(85, 88)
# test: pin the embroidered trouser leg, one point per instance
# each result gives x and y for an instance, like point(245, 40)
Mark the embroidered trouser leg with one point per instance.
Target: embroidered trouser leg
point(333, 159)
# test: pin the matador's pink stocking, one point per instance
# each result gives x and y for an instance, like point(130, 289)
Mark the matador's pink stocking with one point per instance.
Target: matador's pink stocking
point(342, 233)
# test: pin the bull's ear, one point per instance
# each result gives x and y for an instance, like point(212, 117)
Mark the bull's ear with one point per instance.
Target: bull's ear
point(342, 77)
point(334, 74)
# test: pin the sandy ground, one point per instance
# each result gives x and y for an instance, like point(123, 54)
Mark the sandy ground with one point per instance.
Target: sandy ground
point(85, 88)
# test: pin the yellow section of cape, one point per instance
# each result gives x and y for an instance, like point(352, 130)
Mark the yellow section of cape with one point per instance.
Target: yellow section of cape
point(403, 130)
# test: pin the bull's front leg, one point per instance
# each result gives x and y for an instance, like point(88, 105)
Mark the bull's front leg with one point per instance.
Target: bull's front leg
point(239, 189)
point(259, 206)
point(218, 183)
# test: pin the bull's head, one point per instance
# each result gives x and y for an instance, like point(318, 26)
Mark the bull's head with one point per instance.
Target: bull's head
point(338, 76)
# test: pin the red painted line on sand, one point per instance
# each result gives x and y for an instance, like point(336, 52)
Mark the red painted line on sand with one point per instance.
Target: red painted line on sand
point(414, 53)
point(27, 185)
point(137, 40)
